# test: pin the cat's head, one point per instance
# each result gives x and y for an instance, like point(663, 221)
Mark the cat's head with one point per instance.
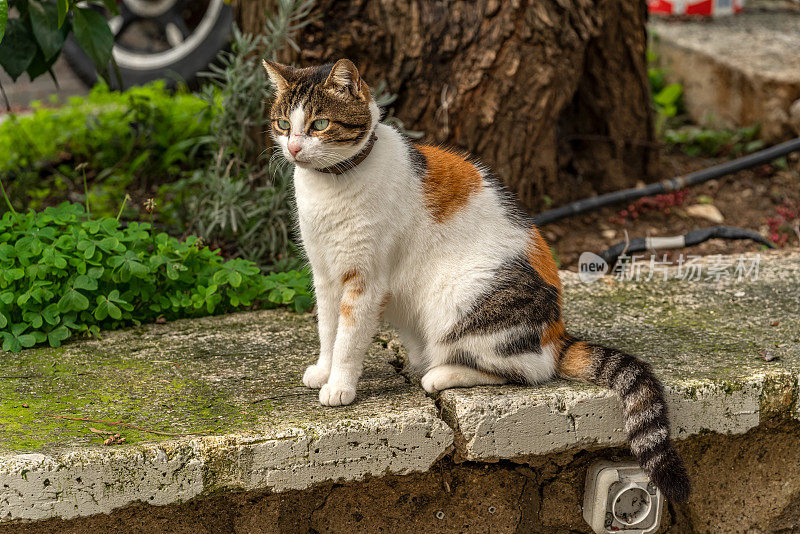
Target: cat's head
point(322, 115)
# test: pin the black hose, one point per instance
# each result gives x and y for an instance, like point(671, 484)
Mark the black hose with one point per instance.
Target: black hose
point(695, 237)
point(674, 184)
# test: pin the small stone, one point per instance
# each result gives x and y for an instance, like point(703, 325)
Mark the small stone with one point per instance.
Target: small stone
point(609, 234)
point(768, 355)
point(706, 211)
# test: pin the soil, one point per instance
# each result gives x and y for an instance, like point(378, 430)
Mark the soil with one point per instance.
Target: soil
point(746, 200)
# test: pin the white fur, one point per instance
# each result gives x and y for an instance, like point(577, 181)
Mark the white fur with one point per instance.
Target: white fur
point(373, 219)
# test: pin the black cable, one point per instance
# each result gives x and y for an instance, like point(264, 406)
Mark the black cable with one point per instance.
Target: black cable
point(695, 237)
point(674, 184)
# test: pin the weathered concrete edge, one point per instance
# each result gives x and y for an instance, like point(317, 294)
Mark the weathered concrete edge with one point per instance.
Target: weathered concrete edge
point(524, 424)
point(479, 425)
point(81, 483)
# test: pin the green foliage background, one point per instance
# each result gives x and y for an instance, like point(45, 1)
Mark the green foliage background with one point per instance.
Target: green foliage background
point(132, 140)
point(32, 42)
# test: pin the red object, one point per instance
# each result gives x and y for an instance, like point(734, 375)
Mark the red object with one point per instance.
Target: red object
point(706, 7)
point(660, 6)
point(702, 8)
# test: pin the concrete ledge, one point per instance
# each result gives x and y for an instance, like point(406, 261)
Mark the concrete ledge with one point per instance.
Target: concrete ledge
point(736, 71)
point(564, 418)
point(238, 375)
point(238, 378)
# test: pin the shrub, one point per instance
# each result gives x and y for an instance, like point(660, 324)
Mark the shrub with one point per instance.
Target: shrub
point(63, 272)
point(141, 137)
point(240, 200)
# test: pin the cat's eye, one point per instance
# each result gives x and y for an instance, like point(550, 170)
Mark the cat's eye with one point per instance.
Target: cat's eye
point(283, 124)
point(320, 124)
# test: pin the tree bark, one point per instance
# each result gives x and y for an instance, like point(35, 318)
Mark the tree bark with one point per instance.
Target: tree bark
point(551, 94)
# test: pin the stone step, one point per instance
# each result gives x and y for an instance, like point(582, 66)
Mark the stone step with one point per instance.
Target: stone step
point(737, 70)
point(235, 381)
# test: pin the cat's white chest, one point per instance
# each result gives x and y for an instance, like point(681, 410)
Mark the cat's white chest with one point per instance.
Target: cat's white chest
point(334, 220)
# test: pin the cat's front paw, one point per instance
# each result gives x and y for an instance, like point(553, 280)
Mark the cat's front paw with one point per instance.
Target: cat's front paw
point(315, 376)
point(336, 395)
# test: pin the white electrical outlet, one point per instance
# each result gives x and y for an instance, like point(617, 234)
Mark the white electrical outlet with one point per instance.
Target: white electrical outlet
point(619, 497)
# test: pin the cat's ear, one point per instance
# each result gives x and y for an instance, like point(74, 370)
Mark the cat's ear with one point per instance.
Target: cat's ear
point(278, 74)
point(344, 77)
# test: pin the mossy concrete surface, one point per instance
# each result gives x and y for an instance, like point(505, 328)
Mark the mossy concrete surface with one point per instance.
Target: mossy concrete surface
point(236, 381)
point(233, 380)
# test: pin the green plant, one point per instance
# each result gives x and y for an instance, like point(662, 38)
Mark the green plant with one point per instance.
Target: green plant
point(63, 272)
point(696, 141)
point(142, 137)
point(241, 200)
point(666, 103)
point(667, 97)
point(32, 42)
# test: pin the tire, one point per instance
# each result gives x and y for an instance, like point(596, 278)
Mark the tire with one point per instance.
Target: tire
point(140, 68)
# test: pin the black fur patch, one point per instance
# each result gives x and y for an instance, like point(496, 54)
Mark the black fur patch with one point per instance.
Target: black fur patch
point(517, 297)
point(528, 342)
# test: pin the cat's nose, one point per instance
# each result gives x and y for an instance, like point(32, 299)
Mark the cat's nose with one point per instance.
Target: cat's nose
point(294, 148)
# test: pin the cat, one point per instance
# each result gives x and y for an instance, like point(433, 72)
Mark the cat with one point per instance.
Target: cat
point(431, 242)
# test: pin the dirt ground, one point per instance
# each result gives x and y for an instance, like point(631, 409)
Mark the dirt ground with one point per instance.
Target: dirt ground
point(746, 200)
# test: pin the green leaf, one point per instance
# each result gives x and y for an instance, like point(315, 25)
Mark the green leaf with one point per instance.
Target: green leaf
point(13, 274)
point(63, 9)
point(50, 314)
point(27, 340)
point(17, 48)
point(669, 95)
point(57, 335)
point(94, 36)
point(112, 6)
point(303, 303)
point(85, 282)
point(3, 320)
point(33, 318)
point(44, 21)
point(39, 65)
point(3, 18)
point(11, 343)
point(105, 309)
point(73, 300)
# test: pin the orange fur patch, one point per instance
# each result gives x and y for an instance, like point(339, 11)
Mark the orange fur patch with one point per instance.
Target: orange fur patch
point(576, 361)
point(554, 334)
point(385, 302)
point(346, 312)
point(449, 182)
point(541, 259)
point(354, 282)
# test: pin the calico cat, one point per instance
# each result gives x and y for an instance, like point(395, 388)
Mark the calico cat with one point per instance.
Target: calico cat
point(428, 240)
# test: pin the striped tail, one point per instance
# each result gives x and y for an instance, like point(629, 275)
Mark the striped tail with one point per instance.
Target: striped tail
point(644, 409)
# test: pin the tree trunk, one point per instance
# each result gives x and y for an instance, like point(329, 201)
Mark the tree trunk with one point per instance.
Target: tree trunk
point(551, 94)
